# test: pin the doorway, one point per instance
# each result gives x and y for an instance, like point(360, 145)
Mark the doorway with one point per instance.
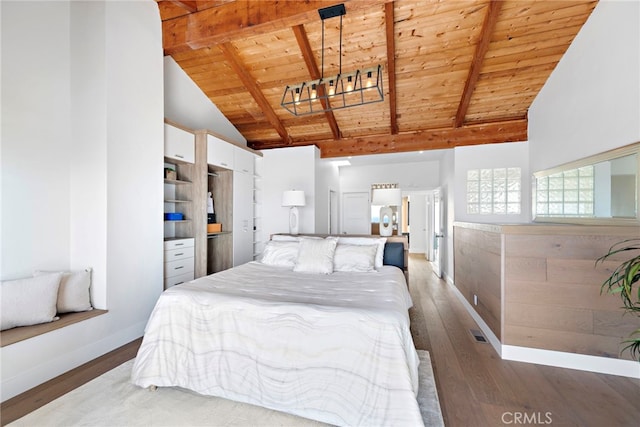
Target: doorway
point(437, 234)
point(356, 213)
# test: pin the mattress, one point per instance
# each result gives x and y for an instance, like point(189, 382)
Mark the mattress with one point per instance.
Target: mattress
point(335, 348)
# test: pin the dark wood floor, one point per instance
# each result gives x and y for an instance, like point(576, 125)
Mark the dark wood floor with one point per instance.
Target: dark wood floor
point(475, 386)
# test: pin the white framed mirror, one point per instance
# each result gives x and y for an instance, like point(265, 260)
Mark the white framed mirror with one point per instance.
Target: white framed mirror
point(601, 189)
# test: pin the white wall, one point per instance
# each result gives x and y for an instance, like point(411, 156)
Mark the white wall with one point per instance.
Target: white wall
point(35, 137)
point(327, 178)
point(291, 168)
point(82, 136)
point(187, 105)
point(413, 176)
point(514, 154)
point(590, 103)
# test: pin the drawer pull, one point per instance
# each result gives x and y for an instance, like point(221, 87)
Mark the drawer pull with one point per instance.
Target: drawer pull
point(180, 254)
point(180, 156)
point(179, 267)
point(179, 244)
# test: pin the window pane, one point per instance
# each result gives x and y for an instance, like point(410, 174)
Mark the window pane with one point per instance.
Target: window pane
point(499, 174)
point(486, 174)
point(494, 191)
point(513, 208)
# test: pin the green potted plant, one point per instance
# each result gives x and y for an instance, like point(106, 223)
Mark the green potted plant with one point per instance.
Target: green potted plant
point(622, 281)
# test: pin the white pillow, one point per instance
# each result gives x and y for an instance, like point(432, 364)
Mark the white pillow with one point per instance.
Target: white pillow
point(284, 238)
point(378, 241)
point(280, 253)
point(29, 301)
point(358, 258)
point(74, 293)
point(316, 255)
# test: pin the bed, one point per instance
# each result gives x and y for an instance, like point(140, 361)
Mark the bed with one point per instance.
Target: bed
point(332, 347)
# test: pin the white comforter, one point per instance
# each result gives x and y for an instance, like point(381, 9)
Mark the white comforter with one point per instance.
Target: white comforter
point(335, 348)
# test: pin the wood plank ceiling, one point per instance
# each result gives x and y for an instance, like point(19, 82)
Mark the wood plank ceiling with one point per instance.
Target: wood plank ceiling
point(456, 72)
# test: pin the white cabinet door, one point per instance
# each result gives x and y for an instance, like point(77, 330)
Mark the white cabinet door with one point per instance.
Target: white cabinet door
point(242, 218)
point(219, 152)
point(243, 160)
point(179, 144)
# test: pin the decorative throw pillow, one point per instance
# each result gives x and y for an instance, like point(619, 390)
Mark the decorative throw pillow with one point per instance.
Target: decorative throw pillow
point(378, 241)
point(355, 258)
point(280, 253)
point(29, 301)
point(74, 293)
point(316, 255)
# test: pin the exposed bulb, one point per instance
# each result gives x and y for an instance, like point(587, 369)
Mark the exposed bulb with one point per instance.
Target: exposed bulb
point(313, 92)
point(349, 84)
point(296, 97)
point(369, 82)
point(332, 89)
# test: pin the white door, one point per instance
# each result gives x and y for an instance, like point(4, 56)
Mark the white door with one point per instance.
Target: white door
point(333, 212)
point(356, 213)
point(417, 225)
point(438, 234)
point(242, 218)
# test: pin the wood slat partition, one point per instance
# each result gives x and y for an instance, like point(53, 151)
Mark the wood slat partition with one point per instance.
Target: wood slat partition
point(550, 284)
point(477, 271)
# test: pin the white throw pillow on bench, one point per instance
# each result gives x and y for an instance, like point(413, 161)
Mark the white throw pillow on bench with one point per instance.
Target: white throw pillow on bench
point(74, 293)
point(29, 301)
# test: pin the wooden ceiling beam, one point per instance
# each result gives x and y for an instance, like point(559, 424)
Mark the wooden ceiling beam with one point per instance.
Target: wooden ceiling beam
point(189, 6)
point(486, 133)
point(244, 18)
point(249, 82)
point(490, 19)
point(391, 64)
point(314, 72)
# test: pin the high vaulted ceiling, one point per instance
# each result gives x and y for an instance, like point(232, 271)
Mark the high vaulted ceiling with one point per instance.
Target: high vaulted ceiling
point(456, 72)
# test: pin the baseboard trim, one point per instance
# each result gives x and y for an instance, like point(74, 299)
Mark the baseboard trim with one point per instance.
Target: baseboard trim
point(560, 359)
point(581, 362)
point(488, 333)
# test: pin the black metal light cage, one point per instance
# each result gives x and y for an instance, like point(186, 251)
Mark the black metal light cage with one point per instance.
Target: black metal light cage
point(343, 90)
point(360, 87)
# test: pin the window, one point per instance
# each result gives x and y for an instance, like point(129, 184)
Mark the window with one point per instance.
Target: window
point(494, 191)
point(568, 193)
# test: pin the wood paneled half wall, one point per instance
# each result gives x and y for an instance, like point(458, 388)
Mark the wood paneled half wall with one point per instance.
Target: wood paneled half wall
point(538, 286)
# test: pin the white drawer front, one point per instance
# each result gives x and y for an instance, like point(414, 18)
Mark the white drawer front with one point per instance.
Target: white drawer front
point(178, 243)
point(176, 280)
point(180, 253)
point(175, 268)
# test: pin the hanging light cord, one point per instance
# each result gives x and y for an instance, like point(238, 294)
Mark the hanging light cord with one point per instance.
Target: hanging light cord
point(340, 51)
point(340, 45)
point(322, 70)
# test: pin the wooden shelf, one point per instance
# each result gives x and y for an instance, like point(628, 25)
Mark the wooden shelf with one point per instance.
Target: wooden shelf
point(177, 201)
point(177, 220)
point(176, 181)
point(212, 235)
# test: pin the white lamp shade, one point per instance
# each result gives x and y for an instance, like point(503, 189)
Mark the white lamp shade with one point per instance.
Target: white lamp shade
point(293, 198)
point(387, 197)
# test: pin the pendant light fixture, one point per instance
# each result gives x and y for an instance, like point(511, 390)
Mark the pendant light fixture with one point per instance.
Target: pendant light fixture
point(359, 87)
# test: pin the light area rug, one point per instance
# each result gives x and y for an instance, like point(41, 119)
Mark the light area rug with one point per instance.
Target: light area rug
point(111, 400)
